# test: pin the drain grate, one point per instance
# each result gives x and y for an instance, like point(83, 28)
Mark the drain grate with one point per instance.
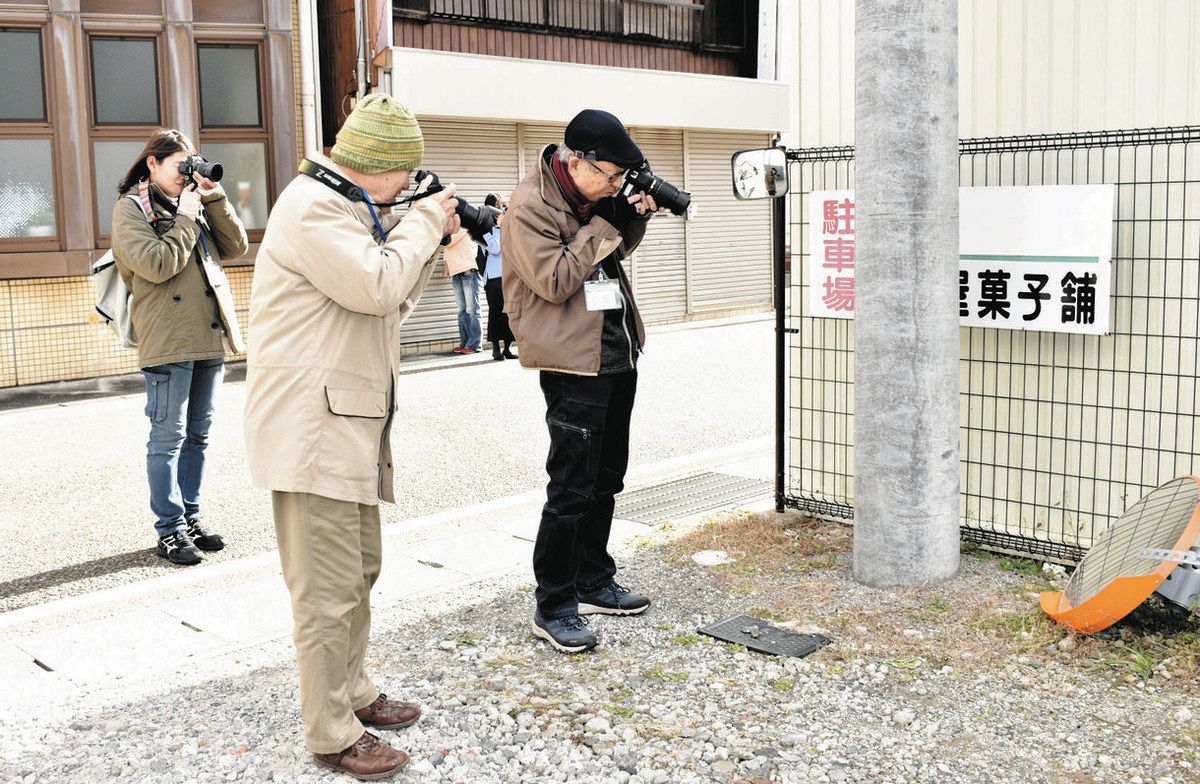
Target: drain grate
point(758, 635)
point(687, 496)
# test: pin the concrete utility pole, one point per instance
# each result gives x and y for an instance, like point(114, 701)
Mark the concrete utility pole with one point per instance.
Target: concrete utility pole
point(906, 311)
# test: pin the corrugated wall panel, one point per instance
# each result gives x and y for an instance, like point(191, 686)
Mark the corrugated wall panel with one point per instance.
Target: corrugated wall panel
point(826, 105)
point(479, 157)
point(1027, 66)
point(729, 240)
point(660, 262)
point(535, 137)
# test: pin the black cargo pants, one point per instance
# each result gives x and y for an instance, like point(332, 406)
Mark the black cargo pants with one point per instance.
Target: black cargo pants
point(588, 417)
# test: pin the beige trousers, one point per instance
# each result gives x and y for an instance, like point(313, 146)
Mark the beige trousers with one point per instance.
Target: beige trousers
point(331, 553)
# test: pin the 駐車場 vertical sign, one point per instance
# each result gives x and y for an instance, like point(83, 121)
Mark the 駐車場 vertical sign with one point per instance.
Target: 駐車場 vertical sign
point(1030, 257)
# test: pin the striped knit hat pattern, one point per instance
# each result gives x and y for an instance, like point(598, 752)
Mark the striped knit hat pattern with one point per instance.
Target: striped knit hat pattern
point(380, 135)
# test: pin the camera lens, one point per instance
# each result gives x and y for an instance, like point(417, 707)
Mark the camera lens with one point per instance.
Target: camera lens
point(664, 193)
point(478, 222)
point(213, 171)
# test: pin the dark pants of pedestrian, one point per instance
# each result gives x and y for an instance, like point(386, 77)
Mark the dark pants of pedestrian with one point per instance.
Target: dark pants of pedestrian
point(498, 330)
point(588, 418)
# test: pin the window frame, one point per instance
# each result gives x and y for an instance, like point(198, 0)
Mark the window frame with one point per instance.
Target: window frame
point(89, 51)
point(245, 134)
point(117, 132)
point(37, 129)
point(257, 48)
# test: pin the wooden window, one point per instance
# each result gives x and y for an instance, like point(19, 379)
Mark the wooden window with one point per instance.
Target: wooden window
point(232, 98)
point(234, 126)
point(29, 218)
point(125, 81)
point(125, 110)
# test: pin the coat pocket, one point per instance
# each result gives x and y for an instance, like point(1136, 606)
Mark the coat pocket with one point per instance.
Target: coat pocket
point(356, 402)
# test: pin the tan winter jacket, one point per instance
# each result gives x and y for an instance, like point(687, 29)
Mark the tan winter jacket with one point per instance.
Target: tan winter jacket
point(459, 254)
point(175, 313)
point(324, 340)
point(548, 255)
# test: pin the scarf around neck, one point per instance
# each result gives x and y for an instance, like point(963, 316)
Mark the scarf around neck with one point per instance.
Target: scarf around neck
point(581, 206)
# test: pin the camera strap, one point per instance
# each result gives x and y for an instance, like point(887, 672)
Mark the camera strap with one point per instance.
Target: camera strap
point(332, 179)
point(349, 190)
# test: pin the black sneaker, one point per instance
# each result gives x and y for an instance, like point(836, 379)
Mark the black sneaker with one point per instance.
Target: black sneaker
point(178, 549)
point(204, 539)
point(569, 634)
point(611, 599)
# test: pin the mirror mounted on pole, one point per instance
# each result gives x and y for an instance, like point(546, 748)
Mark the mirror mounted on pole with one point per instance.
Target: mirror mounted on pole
point(760, 173)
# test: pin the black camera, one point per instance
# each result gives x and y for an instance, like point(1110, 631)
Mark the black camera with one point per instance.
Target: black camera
point(194, 164)
point(642, 180)
point(478, 222)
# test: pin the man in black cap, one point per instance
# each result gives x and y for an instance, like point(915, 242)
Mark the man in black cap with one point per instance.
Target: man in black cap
point(571, 307)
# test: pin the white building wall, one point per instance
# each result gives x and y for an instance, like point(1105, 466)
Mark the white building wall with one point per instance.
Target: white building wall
point(1026, 66)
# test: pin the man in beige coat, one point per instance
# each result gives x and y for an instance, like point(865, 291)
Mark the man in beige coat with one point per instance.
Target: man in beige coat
point(333, 282)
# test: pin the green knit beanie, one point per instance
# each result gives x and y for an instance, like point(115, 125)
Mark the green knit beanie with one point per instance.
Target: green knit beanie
point(380, 135)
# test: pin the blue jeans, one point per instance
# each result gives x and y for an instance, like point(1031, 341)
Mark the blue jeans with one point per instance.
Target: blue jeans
point(466, 291)
point(179, 403)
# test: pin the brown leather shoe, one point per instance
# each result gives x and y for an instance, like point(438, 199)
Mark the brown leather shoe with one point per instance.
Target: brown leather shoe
point(385, 714)
point(369, 759)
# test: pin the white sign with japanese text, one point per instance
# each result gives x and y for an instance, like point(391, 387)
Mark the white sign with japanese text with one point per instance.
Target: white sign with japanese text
point(1030, 257)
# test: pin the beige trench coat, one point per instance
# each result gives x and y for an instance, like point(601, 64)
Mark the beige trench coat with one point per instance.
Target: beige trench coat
point(324, 341)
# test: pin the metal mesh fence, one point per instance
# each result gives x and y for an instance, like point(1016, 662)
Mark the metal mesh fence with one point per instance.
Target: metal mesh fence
point(1059, 433)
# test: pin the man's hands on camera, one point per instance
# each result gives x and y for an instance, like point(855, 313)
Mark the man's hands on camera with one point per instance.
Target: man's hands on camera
point(620, 210)
point(643, 203)
point(445, 199)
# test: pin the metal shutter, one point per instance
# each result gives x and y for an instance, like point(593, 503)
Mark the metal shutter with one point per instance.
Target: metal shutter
point(479, 157)
point(535, 137)
point(660, 262)
point(729, 241)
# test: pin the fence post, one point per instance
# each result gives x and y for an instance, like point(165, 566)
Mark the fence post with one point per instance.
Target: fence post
point(906, 462)
point(778, 232)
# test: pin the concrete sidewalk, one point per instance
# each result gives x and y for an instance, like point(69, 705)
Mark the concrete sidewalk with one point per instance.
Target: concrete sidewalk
point(193, 626)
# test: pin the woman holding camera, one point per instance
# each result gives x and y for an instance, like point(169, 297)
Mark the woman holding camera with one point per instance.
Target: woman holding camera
point(170, 228)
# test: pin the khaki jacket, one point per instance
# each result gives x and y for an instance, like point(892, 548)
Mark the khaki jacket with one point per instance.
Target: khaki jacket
point(326, 307)
point(548, 254)
point(175, 311)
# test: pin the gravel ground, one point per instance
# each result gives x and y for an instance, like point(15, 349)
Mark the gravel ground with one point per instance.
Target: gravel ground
point(922, 685)
point(74, 509)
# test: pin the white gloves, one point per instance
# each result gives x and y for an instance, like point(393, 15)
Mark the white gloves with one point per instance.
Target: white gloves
point(216, 188)
point(189, 203)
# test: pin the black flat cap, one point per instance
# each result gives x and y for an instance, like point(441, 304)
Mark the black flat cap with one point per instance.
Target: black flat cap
point(598, 133)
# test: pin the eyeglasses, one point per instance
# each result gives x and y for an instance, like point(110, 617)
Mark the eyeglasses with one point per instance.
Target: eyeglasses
point(613, 179)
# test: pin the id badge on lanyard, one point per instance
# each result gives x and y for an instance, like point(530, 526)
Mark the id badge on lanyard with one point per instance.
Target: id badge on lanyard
point(604, 293)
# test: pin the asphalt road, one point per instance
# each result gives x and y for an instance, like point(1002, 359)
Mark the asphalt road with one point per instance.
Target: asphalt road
point(74, 507)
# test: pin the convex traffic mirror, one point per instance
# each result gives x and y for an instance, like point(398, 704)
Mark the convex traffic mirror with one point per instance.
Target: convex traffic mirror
point(760, 174)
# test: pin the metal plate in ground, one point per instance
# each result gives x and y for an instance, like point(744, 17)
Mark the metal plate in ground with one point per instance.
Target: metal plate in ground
point(688, 496)
point(770, 639)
